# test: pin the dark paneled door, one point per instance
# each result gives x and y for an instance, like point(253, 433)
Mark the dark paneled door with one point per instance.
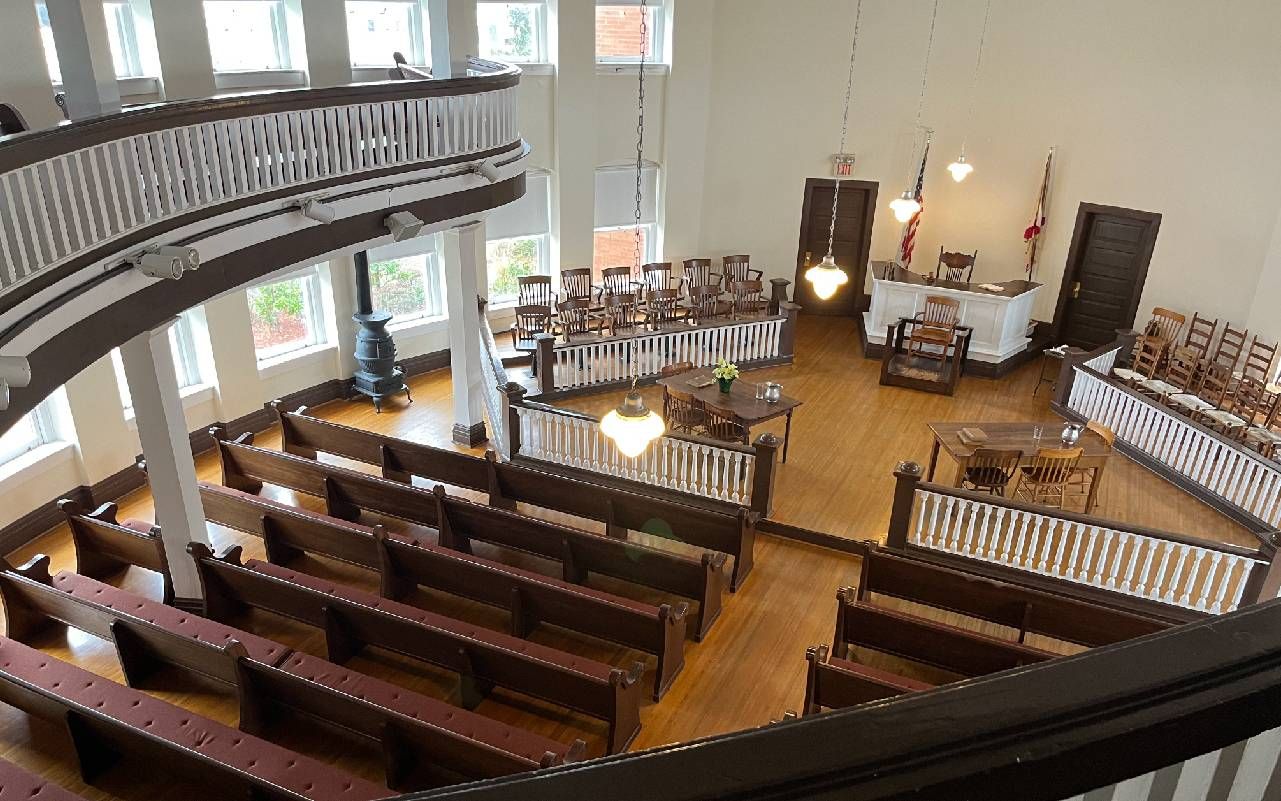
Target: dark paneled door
point(854, 215)
point(1106, 267)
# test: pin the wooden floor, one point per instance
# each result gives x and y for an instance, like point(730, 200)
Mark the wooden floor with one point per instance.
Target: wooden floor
point(846, 440)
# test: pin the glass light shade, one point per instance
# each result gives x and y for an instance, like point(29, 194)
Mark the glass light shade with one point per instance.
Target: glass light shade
point(960, 168)
point(904, 207)
point(632, 426)
point(826, 277)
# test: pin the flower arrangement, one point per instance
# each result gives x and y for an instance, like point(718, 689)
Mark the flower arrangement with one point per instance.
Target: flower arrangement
point(725, 373)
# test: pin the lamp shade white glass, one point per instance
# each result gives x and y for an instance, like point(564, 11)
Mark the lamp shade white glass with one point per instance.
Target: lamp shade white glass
point(825, 277)
point(904, 207)
point(960, 169)
point(632, 426)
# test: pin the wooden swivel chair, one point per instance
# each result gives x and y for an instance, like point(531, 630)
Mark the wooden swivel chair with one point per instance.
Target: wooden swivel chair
point(682, 411)
point(748, 297)
point(990, 470)
point(953, 266)
point(657, 275)
point(535, 290)
point(662, 307)
point(620, 312)
point(698, 272)
point(705, 303)
point(576, 317)
point(935, 327)
point(616, 281)
point(738, 268)
point(1046, 480)
point(576, 284)
point(531, 319)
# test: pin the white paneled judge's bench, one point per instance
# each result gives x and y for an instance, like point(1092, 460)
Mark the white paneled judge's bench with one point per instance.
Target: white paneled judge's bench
point(998, 313)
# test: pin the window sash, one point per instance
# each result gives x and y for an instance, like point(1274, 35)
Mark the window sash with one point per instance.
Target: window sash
point(427, 265)
point(538, 45)
point(649, 254)
point(26, 435)
point(279, 35)
point(186, 362)
point(543, 267)
point(416, 52)
point(124, 43)
point(312, 315)
point(655, 11)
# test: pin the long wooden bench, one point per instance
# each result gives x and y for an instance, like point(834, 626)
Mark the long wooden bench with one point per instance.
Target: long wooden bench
point(910, 637)
point(412, 729)
point(17, 784)
point(835, 683)
point(1021, 608)
point(620, 510)
point(105, 545)
point(483, 658)
point(106, 720)
point(346, 492)
point(402, 562)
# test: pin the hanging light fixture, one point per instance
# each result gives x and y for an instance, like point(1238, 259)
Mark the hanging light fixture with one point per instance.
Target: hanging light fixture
point(632, 426)
point(961, 168)
point(906, 204)
point(825, 277)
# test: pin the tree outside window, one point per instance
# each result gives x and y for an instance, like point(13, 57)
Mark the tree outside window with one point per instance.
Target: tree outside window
point(510, 31)
point(399, 286)
point(508, 260)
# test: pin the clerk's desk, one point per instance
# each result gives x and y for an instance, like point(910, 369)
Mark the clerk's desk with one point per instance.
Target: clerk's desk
point(999, 319)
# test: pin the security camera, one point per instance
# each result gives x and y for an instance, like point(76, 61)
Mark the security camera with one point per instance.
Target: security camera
point(15, 371)
point(154, 265)
point(486, 170)
point(318, 210)
point(190, 257)
point(403, 225)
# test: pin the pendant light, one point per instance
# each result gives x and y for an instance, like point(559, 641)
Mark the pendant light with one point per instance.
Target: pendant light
point(961, 168)
point(632, 426)
point(906, 204)
point(825, 277)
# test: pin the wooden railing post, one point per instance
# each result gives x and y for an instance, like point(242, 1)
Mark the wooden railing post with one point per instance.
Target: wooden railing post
point(766, 472)
point(1264, 581)
point(908, 476)
point(1072, 357)
point(513, 396)
point(545, 363)
point(1127, 337)
point(778, 293)
point(787, 338)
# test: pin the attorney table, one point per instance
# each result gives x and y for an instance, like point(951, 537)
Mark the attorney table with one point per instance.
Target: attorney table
point(998, 315)
point(740, 403)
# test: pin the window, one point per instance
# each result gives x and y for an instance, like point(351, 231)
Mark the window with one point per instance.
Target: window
point(615, 217)
point(512, 31)
point(378, 28)
point(122, 36)
point(186, 363)
point(618, 32)
point(517, 239)
point(404, 279)
point(287, 315)
point(46, 39)
point(247, 35)
point(27, 434)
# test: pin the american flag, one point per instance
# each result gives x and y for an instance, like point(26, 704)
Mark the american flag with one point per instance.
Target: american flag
point(1032, 234)
point(908, 244)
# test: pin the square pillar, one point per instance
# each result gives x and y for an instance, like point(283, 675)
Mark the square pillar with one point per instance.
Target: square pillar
point(182, 37)
point(328, 52)
point(464, 260)
point(84, 56)
point(171, 470)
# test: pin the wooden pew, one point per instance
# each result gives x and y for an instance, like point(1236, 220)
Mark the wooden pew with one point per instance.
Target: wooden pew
point(106, 721)
point(411, 728)
point(730, 533)
point(246, 468)
point(530, 597)
point(948, 647)
point(1022, 608)
point(352, 619)
point(105, 546)
point(18, 784)
point(834, 683)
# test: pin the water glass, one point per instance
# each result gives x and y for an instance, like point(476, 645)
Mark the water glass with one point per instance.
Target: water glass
point(760, 391)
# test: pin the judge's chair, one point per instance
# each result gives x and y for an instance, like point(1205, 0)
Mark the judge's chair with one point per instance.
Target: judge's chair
point(955, 266)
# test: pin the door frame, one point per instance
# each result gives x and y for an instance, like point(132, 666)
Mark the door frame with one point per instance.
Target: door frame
point(1152, 222)
point(869, 215)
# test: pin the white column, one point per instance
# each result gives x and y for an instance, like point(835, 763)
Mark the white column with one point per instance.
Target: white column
point(171, 470)
point(182, 37)
point(328, 52)
point(573, 46)
point(231, 339)
point(84, 56)
point(464, 260)
point(24, 82)
point(464, 39)
point(438, 27)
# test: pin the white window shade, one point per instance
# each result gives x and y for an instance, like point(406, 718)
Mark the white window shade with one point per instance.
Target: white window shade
point(526, 216)
point(616, 196)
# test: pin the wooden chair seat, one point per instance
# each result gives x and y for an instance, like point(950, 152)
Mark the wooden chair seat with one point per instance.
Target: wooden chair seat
point(1158, 387)
point(1224, 419)
point(1127, 375)
point(18, 785)
point(934, 336)
point(1190, 402)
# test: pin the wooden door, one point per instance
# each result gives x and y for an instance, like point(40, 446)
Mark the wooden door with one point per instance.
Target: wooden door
point(1106, 266)
point(854, 214)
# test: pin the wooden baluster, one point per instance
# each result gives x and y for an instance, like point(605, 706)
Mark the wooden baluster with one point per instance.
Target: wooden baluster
point(1077, 535)
point(1230, 563)
point(1185, 573)
point(1207, 582)
point(921, 501)
point(965, 539)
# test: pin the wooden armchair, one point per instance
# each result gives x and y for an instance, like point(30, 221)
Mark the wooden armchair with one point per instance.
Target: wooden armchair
point(748, 297)
point(1046, 480)
point(576, 318)
point(663, 307)
point(954, 266)
point(705, 304)
point(936, 327)
point(1164, 327)
point(657, 275)
point(616, 281)
point(620, 312)
point(576, 284)
point(698, 272)
point(531, 319)
point(682, 411)
point(535, 290)
point(990, 470)
point(675, 368)
point(738, 268)
point(722, 427)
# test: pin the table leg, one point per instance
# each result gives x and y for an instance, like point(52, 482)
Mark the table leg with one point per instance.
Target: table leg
point(787, 435)
point(934, 460)
point(1095, 480)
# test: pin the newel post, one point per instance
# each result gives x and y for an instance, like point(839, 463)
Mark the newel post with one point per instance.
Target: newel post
point(778, 293)
point(1067, 373)
point(907, 476)
point(1128, 338)
point(1264, 581)
point(787, 338)
point(545, 363)
point(766, 472)
point(513, 397)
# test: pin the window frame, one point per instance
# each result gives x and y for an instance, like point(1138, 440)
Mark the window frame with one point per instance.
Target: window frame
point(657, 37)
point(418, 33)
point(43, 426)
point(279, 35)
point(542, 52)
point(433, 287)
point(313, 315)
point(186, 362)
point(544, 267)
point(650, 253)
point(122, 19)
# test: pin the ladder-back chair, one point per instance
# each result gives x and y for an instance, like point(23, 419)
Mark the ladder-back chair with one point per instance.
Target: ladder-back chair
point(935, 326)
point(620, 312)
point(1231, 344)
point(955, 266)
point(739, 268)
point(576, 283)
point(698, 272)
point(1265, 437)
point(1216, 386)
point(1046, 480)
point(1258, 361)
point(1147, 359)
point(616, 281)
point(535, 290)
point(991, 471)
point(662, 307)
point(1199, 337)
point(748, 297)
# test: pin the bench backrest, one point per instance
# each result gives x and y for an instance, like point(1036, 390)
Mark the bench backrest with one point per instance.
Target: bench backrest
point(104, 546)
point(835, 683)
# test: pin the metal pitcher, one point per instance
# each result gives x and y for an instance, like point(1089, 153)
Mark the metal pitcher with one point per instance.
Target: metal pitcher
point(773, 392)
point(1071, 433)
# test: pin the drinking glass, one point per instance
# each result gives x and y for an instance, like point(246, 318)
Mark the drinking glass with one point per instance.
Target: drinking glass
point(760, 390)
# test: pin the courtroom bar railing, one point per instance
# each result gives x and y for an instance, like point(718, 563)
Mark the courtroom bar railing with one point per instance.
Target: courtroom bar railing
point(1191, 712)
point(1220, 471)
point(589, 363)
point(1159, 566)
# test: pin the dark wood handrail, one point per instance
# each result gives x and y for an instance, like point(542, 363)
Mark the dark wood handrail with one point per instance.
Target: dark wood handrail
point(592, 339)
point(19, 150)
point(1039, 733)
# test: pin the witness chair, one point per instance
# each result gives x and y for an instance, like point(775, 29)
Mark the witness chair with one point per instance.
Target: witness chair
point(990, 470)
point(576, 284)
point(1046, 480)
point(936, 327)
point(953, 266)
point(535, 290)
point(748, 297)
point(738, 268)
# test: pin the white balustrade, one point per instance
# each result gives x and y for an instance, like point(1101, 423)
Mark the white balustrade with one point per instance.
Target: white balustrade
point(56, 209)
point(609, 360)
point(1220, 466)
point(698, 468)
point(1202, 577)
point(1104, 362)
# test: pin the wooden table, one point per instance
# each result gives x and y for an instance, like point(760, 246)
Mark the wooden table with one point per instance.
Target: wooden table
point(1018, 437)
point(740, 403)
